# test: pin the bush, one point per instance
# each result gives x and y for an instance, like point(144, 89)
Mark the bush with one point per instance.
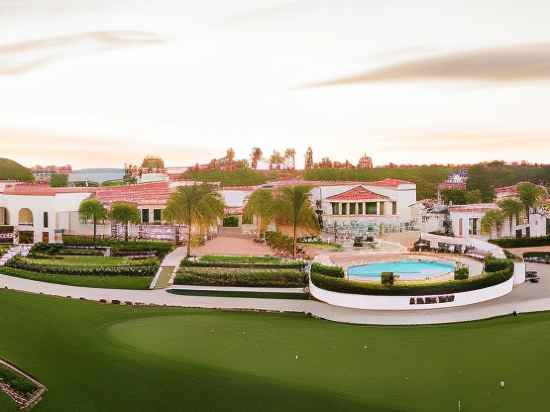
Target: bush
point(279, 241)
point(462, 273)
point(494, 265)
point(332, 271)
point(231, 221)
point(17, 382)
point(143, 268)
point(387, 278)
point(537, 257)
point(121, 248)
point(281, 265)
point(239, 277)
point(522, 242)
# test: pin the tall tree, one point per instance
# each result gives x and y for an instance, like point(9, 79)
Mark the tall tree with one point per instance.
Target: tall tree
point(309, 159)
point(260, 204)
point(255, 157)
point(290, 156)
point(194, 206)
point(511, 208)
point(230, 155)
point(493, 218)
point(275, 160)
point(125, 213)
point(59, 180)
point(293, 206)
point(92, 209)
point(531, 196)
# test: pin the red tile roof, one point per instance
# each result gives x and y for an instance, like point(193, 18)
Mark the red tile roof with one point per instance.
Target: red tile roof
point(357, 193)
point(26, 189)
point(142, 194)
point(390, 182)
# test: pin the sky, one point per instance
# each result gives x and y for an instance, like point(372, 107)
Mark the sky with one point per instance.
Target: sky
point(100, 83)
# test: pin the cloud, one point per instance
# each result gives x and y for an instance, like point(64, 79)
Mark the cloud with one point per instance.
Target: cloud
point(23, 57)
point(496, 64)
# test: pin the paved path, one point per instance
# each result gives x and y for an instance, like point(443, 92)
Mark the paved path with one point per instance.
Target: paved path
point(225, 245)
point(525, 298)
point(167, 268)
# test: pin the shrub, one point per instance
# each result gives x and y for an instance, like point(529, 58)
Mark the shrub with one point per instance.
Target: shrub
point(18, 383)
point(387, 278)
point(221, 264)
point(239, 277)
point(121, 248)
point(462, 273)
point(494, 265)
point(522, 242)
point(279, 241)
point(537, 256)
point(231, 221)
point(240, 259)
point(333, 271)
point(143, 268)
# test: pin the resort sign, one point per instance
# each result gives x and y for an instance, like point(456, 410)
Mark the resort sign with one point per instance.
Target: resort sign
point(427, 300)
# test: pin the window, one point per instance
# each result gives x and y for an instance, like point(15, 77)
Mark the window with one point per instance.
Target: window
point(382, 207)
point(473, 227)
point(352, 208)
point(394, 208)
point(45, 219)
point(360, 206)
point(157, 215)
point(371, 208)
point(344, 208)
point(145, 215)
point(335, 208)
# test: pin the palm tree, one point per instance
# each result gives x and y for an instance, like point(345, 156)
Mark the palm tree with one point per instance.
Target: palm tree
point(531, 196)
point(309, 159)
point(293, 206)
point(511, 208)
point(92, 209)
point(196, 205)
point(255, 157)
point(125, 213)
point(493, 218)
point(290, 156)
point(260, 204)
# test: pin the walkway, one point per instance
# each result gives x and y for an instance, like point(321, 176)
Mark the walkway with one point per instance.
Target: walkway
point(528, 297)
point(225, 245)
point(168, 268)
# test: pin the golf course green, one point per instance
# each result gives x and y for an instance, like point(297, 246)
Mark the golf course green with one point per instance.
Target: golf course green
point(99, 357)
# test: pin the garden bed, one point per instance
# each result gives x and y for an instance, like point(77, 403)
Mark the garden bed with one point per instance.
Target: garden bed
point(263, 262)
point(259, 277)
point(239, 294)
point(537, 257)
point(121, 248)
point(19, 387)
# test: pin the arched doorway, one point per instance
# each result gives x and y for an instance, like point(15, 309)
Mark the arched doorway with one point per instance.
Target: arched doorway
point(4, 216)
point(25, 217)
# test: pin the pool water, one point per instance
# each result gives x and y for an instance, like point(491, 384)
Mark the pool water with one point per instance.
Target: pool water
point(406, 269)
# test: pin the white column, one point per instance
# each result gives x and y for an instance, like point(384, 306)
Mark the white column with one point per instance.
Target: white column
point(378, 208)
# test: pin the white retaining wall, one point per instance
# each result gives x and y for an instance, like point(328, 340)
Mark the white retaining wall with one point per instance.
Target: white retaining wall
point(374, 302)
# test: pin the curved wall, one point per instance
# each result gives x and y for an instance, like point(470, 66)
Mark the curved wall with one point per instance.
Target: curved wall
point(375, 302)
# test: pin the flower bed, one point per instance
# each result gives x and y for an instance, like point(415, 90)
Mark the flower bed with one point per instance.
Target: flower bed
point(267, 262)
point(121, 248)
point(258, 277)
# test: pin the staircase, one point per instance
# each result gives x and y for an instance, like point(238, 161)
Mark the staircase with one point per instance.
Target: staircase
point(12, 251)
point(234, 232)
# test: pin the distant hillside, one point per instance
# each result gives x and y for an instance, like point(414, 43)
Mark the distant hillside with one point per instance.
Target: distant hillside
point(11, 170)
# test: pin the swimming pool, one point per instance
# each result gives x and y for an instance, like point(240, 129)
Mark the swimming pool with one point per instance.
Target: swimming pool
point(406, 269)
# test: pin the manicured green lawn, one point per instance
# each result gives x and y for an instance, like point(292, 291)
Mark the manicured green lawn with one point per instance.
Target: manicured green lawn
point(164, 277)
point(239, 294)
point(91, 281)
point(6, 404)
point(95, 357)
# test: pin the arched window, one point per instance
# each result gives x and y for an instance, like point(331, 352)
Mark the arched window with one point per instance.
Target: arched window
point(25, 217)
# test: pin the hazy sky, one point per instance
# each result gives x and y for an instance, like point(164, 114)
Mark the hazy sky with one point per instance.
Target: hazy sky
point(103, 82)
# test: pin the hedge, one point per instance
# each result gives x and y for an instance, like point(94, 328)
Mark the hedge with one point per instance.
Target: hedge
point(119, 247)
point(274, 265)
point(18, 383)
point(332, 271)
point(522, 242)
point(239, 277)
point(409, 289)
point(537, 257)
point(279, 241)
point(145, 269)
point(495, 265)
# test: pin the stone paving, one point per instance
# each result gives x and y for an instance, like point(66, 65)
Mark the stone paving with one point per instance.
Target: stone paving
point(528, 297)
point(225, 245)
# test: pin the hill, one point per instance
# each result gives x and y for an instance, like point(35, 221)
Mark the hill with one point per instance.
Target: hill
point(11, 170)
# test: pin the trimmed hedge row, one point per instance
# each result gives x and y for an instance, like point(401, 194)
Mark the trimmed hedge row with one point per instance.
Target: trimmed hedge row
point(126, 270)
point(495, 265)
point(332, 271)
point(537, 257)
point(18, 383)
point(220, 264)
point(444, 287)
point(119, 247)
point(239, 277)
point(522, 242)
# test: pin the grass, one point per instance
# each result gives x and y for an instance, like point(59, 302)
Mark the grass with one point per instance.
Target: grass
point(91, 281)
point(96, 357)
point(239, 294)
